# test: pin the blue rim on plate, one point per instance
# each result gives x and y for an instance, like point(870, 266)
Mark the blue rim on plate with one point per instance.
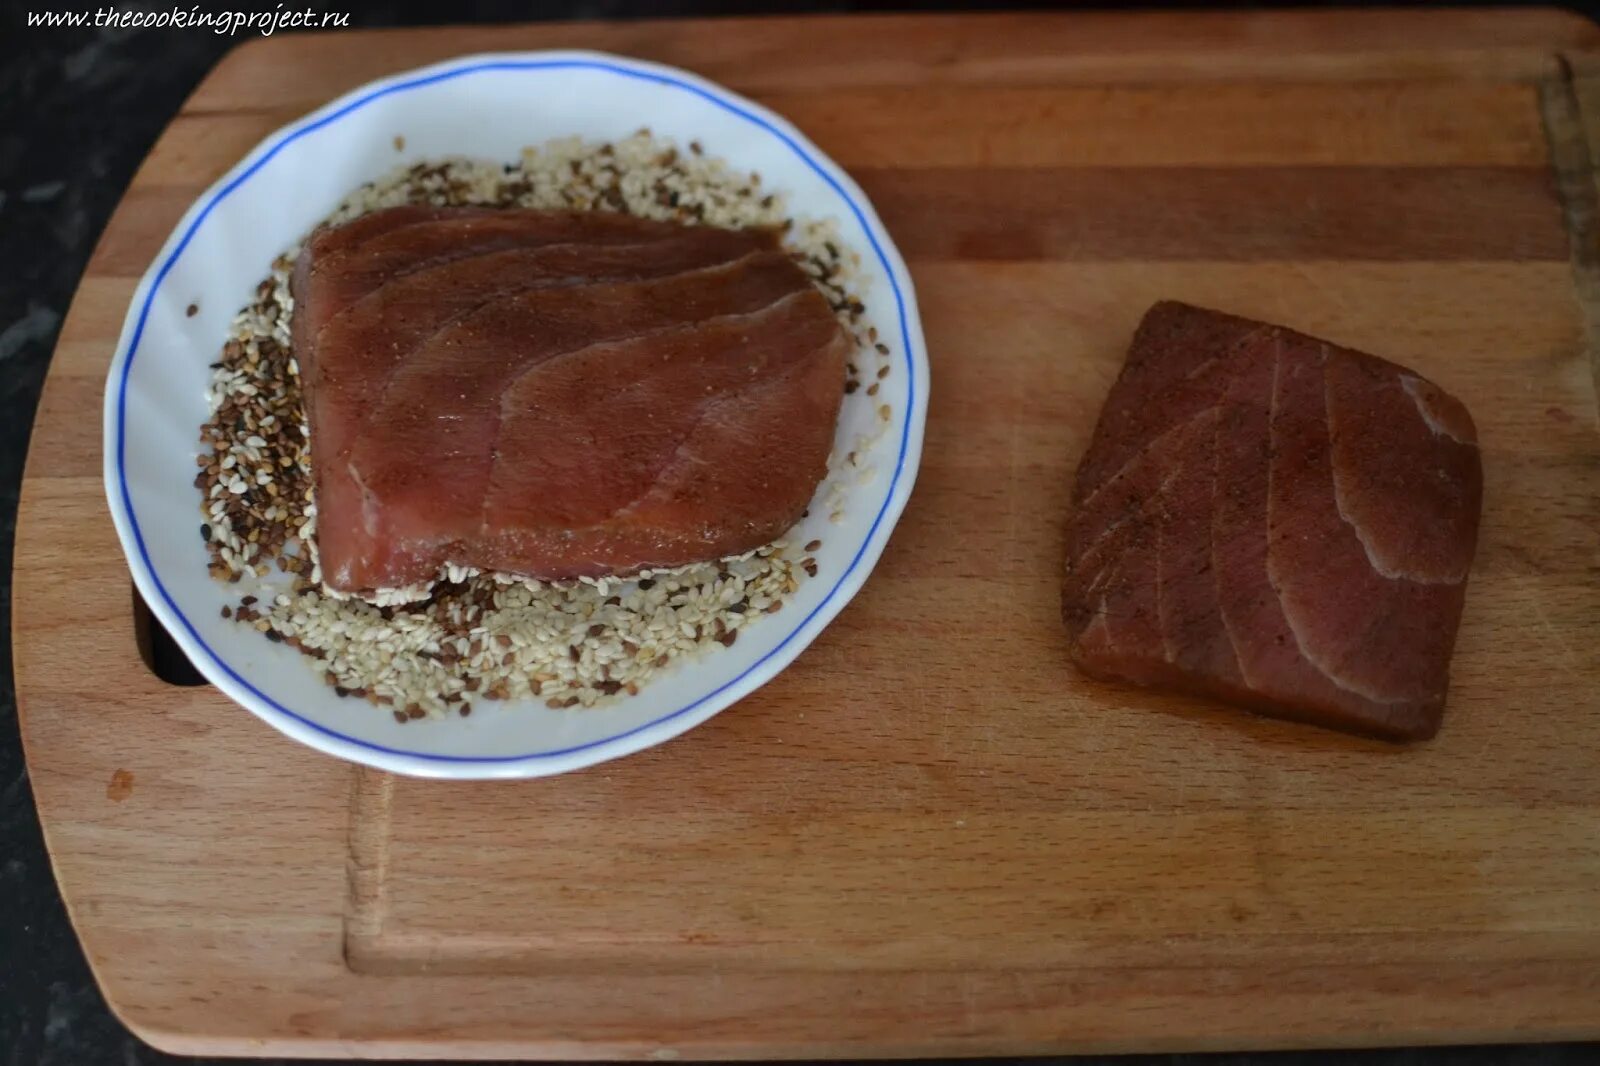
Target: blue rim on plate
point(743, 110)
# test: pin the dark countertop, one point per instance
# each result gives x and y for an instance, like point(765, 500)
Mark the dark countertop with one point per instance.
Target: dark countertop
point(81, 109)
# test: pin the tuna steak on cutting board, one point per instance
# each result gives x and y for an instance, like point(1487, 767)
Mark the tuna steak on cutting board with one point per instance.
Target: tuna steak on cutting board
point(1275, 521)
point(556, 394)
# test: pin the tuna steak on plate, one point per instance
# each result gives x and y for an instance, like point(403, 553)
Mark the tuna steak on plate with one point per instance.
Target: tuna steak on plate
point(1275, 521)
point(556, 394)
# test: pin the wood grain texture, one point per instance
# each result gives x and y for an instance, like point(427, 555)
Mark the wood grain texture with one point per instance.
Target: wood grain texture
point(929, 835)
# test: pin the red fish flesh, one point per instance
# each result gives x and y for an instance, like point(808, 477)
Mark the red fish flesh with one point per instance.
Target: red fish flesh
point(556, 394)
point(1275, 521)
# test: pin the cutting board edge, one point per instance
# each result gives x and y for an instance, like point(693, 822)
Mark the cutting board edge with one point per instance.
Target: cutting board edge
point(1551, 33)
point(554, 1050)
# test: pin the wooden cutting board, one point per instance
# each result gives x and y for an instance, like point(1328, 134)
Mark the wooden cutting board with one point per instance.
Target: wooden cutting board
point(930, 835)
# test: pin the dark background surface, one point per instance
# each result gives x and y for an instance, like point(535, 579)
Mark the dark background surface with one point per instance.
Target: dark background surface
point(78, 111)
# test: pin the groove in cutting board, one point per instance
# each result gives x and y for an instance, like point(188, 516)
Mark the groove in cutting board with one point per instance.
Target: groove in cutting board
point(371, 794)
point(1572, 150)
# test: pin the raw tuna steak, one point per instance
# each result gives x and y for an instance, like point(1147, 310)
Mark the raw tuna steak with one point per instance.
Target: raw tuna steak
point(1275, 521)
point(556, 394)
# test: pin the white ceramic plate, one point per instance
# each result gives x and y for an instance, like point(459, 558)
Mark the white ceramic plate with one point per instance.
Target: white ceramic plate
point(482, 106)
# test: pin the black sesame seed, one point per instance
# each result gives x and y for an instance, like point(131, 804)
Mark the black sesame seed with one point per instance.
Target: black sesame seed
point(205, 531)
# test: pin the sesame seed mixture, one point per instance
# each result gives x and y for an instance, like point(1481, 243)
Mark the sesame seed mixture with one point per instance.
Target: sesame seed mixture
point(436, 649)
